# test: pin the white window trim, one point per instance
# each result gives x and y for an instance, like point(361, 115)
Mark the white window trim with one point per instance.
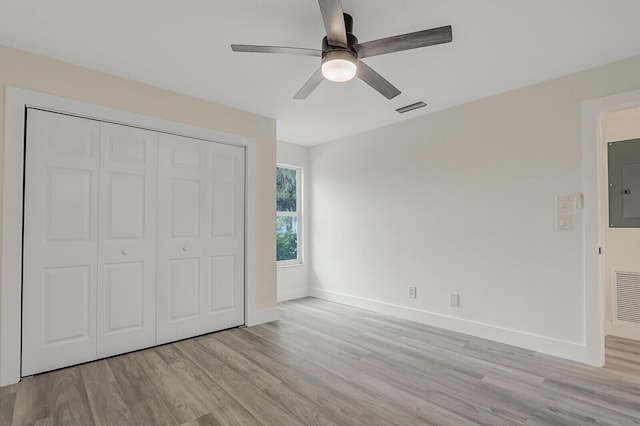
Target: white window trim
point(299, 214)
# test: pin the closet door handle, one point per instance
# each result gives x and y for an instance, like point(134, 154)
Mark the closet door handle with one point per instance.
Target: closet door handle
point(185, 248)
point(125, 252)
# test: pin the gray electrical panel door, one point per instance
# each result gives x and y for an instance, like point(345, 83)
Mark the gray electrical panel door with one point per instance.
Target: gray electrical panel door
point(624, 184)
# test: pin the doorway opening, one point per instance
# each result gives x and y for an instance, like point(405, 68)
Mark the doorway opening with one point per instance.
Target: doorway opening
point(620, 195)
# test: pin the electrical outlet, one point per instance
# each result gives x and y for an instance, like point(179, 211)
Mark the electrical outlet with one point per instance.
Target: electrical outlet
point(454, 300)
point(412, 292)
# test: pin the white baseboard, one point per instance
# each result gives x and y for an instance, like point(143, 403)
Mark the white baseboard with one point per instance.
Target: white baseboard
point(262, 316)
point(623, 329)
point(293, 294)
point(542, 344)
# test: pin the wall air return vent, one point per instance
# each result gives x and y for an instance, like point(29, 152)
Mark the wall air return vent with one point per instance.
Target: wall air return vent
point(411, 107)
point(628, 296)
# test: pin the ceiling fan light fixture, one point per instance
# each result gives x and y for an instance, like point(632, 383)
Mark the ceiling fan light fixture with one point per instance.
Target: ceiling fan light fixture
point(339, 65)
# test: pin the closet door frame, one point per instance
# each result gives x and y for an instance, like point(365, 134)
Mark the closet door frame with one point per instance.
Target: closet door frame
point(17, 101)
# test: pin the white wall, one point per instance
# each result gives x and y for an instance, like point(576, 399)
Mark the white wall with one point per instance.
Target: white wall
point(463, 200)
point(293, 280)
point(622, 245)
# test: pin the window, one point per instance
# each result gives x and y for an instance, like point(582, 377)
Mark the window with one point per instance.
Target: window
point(288, 215)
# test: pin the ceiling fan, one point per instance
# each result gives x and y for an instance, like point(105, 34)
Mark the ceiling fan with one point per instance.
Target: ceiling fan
point(341, 53)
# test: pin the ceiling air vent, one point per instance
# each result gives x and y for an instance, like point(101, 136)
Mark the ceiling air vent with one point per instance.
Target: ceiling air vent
point(411, 107)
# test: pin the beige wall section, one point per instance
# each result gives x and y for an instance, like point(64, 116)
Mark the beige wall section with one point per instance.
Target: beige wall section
point(293, 280)
point(463, 200)
point(37, 73)
point(622, 245)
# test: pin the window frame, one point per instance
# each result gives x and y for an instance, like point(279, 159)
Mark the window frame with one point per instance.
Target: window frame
point(297, 214)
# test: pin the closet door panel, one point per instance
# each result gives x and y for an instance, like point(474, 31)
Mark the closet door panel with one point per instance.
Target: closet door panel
point(181, 210)
point(127, 239)
point(184, 289)
point(224, 243)
point(200, 237)
point(60, 241)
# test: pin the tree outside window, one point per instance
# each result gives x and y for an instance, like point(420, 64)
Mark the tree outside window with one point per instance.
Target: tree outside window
point(288, 218)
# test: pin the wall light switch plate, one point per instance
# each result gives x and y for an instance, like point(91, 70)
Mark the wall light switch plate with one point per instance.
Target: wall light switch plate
point(454, 300)
point(563, 222)
point(412, 292)
point(578, 201)
point(563, 204)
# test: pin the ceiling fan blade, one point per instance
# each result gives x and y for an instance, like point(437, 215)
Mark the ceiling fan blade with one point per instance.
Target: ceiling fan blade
point(375, 80)
point(405, 42)
point(333, 19)
point(310, 85)
point(276, 49)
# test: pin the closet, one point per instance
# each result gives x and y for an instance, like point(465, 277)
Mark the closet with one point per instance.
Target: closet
point(132, 238)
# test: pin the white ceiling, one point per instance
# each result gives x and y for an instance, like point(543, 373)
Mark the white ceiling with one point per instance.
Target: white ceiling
point(183, 46)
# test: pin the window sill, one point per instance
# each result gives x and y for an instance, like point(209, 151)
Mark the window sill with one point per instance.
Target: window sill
point(289, 263)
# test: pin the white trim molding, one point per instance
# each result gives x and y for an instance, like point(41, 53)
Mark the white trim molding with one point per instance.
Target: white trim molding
point(534, 342)
point(594, 227)
point(263, 316)
point(17, 100)
point(297, 293)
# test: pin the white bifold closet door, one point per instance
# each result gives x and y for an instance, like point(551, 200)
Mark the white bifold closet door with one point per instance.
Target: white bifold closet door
point(89, 243)
point(60, 241)
point(200, 237)
point(131, 238)
point(126, 308)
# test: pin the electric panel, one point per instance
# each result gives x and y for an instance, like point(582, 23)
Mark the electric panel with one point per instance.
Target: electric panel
point(624, 183)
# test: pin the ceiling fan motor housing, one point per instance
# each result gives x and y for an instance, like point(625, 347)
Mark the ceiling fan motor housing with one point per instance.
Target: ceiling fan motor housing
point(352, 40)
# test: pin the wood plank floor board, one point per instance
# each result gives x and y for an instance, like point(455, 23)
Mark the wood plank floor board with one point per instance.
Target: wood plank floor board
point(70, 400)
point(380, 342)
point(366, 372)
point(330, 364)
point(245, 392)
point(330, 391)
point(331, 397)
point(33, 400)
point(179, 398)
point(268, 383)
point(104, 395)
point(138, 392)
point(107, 406)
point(326, 368)
point(97, 372)
point(387, 370)
point(7, 402)
point(206, 420)
point(623, 355)
point(151, 412)
point(625, 345)
point(168, 354)
point(45, 422)
point(223, 409)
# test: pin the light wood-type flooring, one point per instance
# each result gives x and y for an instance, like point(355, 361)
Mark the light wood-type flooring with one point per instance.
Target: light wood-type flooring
point(327, 364)
point(622, 355)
